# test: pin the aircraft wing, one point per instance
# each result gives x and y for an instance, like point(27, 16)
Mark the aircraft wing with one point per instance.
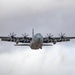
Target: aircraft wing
point(56, 39)
point(16, 39)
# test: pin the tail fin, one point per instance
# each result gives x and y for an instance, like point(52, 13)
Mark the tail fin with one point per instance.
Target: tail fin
point(32, 32)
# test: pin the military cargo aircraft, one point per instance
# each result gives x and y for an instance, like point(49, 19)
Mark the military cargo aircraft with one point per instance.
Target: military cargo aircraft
point(36, 41)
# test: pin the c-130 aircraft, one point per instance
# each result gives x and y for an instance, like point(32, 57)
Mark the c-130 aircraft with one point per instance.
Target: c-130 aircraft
point(36, 41)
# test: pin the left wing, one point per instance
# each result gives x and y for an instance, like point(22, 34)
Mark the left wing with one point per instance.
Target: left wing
point(56, 39)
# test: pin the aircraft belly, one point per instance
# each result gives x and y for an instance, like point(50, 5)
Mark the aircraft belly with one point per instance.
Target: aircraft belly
point(36, 45)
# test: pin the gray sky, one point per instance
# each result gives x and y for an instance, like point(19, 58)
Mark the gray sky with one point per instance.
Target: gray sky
point(45, 16)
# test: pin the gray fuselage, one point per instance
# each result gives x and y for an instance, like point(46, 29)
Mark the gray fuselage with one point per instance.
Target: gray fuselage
point(37, 41)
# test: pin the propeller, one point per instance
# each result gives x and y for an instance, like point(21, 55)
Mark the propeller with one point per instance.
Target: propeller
point(24, 35)
point(62, 35)
point(12, 35)
point(49, 35)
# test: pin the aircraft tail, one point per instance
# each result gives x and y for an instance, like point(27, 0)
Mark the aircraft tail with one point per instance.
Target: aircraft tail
point(32, 32)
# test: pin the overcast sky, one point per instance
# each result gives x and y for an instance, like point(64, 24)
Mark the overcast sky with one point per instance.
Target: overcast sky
point(45, 16)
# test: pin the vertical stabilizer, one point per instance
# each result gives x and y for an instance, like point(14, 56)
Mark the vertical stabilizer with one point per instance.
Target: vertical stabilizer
point(32, 32)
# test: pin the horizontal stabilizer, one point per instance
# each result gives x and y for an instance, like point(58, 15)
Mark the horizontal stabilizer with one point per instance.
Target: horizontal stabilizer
point(22, 45)
point(47, 44)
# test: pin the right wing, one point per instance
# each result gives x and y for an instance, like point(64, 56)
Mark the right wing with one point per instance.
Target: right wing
point(16, 39)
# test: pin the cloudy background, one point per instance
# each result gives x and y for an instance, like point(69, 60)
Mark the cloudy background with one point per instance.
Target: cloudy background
point(45, 16)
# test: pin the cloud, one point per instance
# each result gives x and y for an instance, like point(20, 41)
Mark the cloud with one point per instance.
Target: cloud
point(56, 60)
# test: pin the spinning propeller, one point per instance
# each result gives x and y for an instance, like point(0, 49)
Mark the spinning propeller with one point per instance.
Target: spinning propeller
point(62, 35)
point(25, 35)
point(12, 35)
point(49, 35)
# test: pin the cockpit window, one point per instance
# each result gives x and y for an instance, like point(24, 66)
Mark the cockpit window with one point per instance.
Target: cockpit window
point(37, 35)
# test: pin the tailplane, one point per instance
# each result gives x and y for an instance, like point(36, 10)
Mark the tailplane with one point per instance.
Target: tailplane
point(22, 45)
point(46, 44)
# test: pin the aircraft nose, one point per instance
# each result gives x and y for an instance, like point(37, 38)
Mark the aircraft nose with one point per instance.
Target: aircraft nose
point(38, 38)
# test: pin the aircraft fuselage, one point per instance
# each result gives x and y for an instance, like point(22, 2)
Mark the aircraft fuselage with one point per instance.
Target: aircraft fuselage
point(37, 41)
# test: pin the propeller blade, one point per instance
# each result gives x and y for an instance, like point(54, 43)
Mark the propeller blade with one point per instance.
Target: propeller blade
point(49, 35)
point(62, 35)
point(24, 35)
point(12, 34)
